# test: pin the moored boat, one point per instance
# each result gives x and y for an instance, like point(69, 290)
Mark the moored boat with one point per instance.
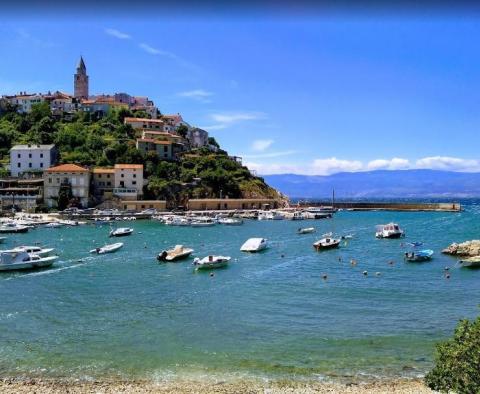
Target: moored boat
point(254, 245)
point(39, 251)
point(211, 262)
point(471, 262)
point(326, 243)
point(306, 230)
point(13, 228)
point(419, 256)
point(390, 230)
point(107, 248)
point(179, 252)
point(230, 221)
point(13, 261)
point(121, 232)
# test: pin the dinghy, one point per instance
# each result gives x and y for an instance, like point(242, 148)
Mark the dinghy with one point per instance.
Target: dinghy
point(121, 232)
point(107, 248)
point(419, 256)
point(306, 230)
point(179, 252)
point(254, 245)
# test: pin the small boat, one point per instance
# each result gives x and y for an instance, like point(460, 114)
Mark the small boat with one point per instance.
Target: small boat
point(13, 228)
point(39, 251)
point(12, 261)
point(107, 248)
point(54, 225)
point(326, 243)
point(270, 215)
point(177, 253)
point(414, 244)
point(419, 256)
point(211, 262)
point(177, 221)
point(306, 230)
point(254, 245)
point(121, 232)
point(202, 223)
point(230, 221)
point(471, 262)
point(390, 230)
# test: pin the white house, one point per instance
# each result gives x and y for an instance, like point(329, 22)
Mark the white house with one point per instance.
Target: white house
point(24, 101)
point(25, 158)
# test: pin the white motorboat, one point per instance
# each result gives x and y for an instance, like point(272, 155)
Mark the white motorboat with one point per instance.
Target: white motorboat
point(306, 230)
point(471, 262)
point(39, 251)
point(270, 215)
point(121, 232)
point(12, 228)
point(326, 243)
point(107, 248)
point(211, 262)
point(390, 230)
point(177, 221)
point(230, 221)
point(202, 222)
point(254, 245)
point(179, 252)
point(54, 225)
point(11, 261)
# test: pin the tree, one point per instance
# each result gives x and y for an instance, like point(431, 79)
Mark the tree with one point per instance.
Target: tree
point(64, 196)
point(182, 130)
point(457, 361)
point(213, 141)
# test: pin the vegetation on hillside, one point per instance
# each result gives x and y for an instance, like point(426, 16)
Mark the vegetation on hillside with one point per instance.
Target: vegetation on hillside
point(91, 141)
point(457, 361)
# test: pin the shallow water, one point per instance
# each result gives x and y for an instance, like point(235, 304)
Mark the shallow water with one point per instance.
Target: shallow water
point(265, 315)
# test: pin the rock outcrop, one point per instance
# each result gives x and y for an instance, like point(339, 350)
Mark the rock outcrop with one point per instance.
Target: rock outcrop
point(467, 248)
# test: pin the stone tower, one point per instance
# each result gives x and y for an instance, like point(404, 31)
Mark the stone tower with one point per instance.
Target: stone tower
point(80, 81)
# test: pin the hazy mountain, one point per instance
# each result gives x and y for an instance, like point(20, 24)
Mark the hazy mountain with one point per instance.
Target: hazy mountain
point(378, 184)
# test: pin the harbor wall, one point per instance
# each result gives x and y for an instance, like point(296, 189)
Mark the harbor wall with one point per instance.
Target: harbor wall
point(390, 206)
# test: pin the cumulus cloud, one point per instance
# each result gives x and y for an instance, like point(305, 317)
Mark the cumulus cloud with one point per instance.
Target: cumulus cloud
point(333, 165)
point(448, 163)
point(117, 34)
point(261, 145)
point(393, 164)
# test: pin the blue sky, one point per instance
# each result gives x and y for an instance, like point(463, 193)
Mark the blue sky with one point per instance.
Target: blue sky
point(312, 95)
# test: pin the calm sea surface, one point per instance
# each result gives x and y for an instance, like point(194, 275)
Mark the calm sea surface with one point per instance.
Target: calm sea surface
point(266, 315)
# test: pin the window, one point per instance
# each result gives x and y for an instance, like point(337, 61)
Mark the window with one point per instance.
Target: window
point(49, 180)
point(134, 182)
point(58, 180)
point(143, 206)
point(29, 165)
point(41, 155)
point(134, 175)
point(18, 165)
point(19, 155)
point(108, 175)
point(109, 183)
point(41, 165)
point(29, 155)
point(99, 175)
point(165, 148)
point(122, 175)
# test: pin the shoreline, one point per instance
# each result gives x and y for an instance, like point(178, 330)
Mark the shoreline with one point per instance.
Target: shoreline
point(57, 386)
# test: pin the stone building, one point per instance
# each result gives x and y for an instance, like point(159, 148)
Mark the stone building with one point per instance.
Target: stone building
point(31, 158)
point(78, 178)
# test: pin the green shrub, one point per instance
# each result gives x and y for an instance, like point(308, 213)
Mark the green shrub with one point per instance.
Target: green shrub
point(457, 361)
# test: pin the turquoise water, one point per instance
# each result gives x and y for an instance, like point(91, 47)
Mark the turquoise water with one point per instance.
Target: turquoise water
point(125, 315)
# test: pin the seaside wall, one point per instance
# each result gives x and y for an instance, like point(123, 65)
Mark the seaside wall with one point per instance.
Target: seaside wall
point(391, 206)
point(211, 204)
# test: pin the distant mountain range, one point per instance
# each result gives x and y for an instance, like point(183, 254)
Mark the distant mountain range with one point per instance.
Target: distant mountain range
point(379, 184)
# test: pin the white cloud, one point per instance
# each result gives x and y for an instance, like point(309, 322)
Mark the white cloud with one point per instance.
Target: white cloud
point(264, 169)
point(236, 117)
point(448, 163)
point(197, 94)
point(261, 145)
point(333, 165)
point(270, 155)
point(393, 164)
point(149, 49)
point(117, 34)
point(226, 119)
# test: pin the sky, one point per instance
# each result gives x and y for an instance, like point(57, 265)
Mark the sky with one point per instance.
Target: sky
point(302, 93)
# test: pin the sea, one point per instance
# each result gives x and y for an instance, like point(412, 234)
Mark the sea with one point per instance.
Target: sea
point(289, 312)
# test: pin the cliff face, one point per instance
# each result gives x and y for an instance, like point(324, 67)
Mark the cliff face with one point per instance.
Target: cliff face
point(464, 249)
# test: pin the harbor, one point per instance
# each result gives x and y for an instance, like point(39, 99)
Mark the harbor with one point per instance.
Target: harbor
point(315, 315)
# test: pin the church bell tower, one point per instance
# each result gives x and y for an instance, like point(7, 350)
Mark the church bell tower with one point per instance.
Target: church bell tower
point(80, 81)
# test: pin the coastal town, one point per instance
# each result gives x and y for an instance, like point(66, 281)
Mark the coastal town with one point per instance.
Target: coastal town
point(38, 177)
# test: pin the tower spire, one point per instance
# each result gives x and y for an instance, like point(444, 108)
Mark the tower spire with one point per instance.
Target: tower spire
point(80, 80)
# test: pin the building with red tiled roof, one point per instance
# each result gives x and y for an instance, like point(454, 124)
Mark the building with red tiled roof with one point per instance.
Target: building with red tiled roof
point(70, 176)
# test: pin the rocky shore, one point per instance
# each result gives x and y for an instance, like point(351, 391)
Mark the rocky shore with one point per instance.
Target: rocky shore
point(464, 249)
point(41, 386)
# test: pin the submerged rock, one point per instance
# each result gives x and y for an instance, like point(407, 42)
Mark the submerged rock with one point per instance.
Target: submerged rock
point(467, 248)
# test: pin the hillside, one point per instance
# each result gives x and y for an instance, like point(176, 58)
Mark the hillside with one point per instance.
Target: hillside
point(380, 184)
point(89, 141)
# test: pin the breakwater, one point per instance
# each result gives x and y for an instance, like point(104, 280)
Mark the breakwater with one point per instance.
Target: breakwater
point(389, 206)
